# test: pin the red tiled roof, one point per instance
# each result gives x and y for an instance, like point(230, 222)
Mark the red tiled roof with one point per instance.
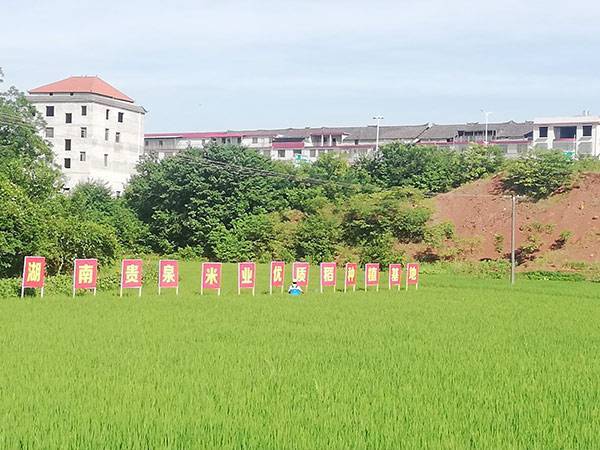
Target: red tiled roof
point(82, 85)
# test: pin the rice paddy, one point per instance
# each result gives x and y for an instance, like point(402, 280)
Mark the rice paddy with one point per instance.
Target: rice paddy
point(460, 363)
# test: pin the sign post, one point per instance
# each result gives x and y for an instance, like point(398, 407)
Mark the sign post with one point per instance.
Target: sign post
point(412, 275)
point(34, 274)
point(247, 277)
point(372, 276)
point(300, 272)
point(168, 275)
point(350, 274)
point(85, 274)
point(328, 275)
point(131, 275)
point(211, 277)
point(394, 275)
point(277, 275)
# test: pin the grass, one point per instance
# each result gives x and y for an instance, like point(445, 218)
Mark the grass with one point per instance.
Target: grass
point(460, 363)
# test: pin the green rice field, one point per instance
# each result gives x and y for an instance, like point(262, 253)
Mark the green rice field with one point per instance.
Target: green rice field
point(460, 363)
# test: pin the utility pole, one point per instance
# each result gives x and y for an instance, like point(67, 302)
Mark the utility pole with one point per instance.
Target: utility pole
point(378, 118)
point(513, 199)
point(487, 120)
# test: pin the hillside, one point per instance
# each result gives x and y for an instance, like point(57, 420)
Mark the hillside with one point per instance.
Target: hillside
point(479, 211)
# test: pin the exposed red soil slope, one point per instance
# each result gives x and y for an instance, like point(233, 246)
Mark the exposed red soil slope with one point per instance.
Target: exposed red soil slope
point(479, 210)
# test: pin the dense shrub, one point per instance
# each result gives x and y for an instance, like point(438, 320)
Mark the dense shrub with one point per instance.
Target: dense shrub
point(431, 169)
point(539, 173)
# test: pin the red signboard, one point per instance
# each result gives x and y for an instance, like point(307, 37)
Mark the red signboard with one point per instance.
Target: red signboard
point(211, 277)
point(395, 275)
point(247, 276)
point(412, 275)
point(34, 273)
point(131, 274)
point(300, 273)
point(328, 275)
point(350, 275)
point(85, 274)
point(168, 274)
point(372, 275)
point(277, 275)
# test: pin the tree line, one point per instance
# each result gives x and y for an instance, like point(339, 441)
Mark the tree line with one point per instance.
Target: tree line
point(231, 203)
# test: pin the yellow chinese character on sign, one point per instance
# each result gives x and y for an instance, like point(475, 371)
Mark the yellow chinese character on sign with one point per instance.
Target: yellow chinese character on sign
point(132, 274)
point(85, 275)
point(395, 274)
point(412, 273)
point(328, 273)
point(247, 275)
point(211, 276)
point(168, 275)
point(351, 273)
point(34, 271)
point(372, 274)
point(277, 272)
point(301, 274)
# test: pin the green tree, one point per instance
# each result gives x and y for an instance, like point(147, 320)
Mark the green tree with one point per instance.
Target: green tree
point(317, 239)
point(539, 173)
point(185, 197)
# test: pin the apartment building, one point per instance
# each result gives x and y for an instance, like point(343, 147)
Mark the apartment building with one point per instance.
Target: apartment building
point(306, 144)
point(576, 135)
point(96, 131)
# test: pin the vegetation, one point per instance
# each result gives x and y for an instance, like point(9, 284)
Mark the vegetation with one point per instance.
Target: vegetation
point(459, 363)
point(431, 169)
point(539, 173)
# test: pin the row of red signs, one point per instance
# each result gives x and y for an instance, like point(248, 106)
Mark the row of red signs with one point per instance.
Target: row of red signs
point(85, 274)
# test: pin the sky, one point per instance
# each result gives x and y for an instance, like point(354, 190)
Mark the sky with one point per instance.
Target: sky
point(233, 64)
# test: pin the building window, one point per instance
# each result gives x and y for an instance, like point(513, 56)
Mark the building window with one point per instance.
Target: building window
point(120, 117)
point(106, 160)
point(313, 153)
point(587, 130)
point(106, 133)
point(334, 141)
point(160, 143)
point(255, 140)
point(83, 132)
point(223, 140)
point(107, 114)
point(146, 142)
point(68, 118)
point(117, 137)
point(82, 156)
point(67, 145)
point(84, 110)
point(565, 132)
point(281, 153)
point(297, 152)
point(49, 132)
point(543, 132)
point(49, 111)
point(67, 163)
point(355, 141)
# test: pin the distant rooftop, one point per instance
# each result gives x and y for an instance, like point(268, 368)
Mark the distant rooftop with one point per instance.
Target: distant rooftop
point(82, 85)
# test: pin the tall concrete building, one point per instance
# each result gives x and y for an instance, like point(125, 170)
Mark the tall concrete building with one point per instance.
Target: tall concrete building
point(96, 131)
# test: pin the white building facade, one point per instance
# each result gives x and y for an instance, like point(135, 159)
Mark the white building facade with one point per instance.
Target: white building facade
point(96, 131)
point(307, 144)
point(577, 135)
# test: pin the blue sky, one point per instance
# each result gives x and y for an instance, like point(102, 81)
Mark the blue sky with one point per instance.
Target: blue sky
point(233, 64)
